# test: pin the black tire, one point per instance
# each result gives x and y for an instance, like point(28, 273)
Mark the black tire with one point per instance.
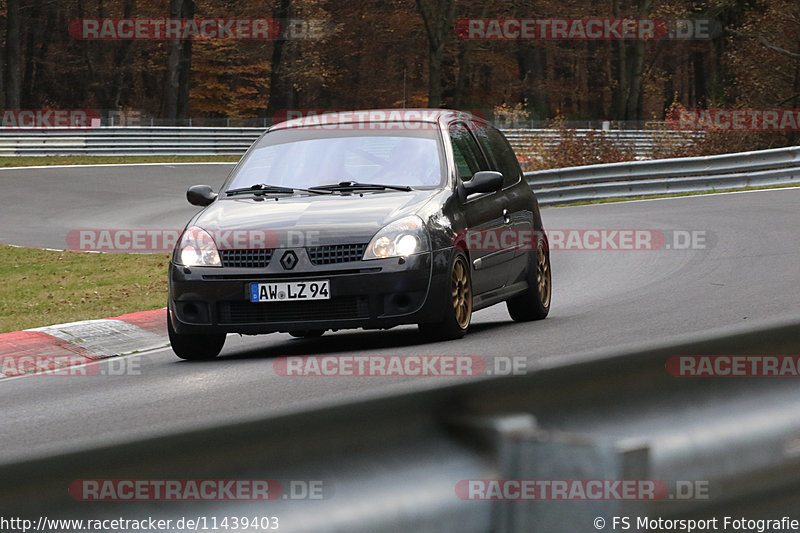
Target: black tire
point(307, 333)
point(534, 304)
point(458, 305)
point(195, 347)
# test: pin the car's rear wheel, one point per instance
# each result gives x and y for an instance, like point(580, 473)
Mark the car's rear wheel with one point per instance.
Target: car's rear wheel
point(534, 304)
point(307, 333)
point(195, 347)
point(458, 308)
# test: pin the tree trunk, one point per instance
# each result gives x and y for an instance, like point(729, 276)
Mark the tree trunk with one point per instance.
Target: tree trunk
point(619, 98)
point(280, 94)
point(121, 55)
point(634, 107)
point(437, 16)
point(531, 61)
point(669, 91)
point(435, 76)
point(185, 68)
point(172, 86)
point(620, 84)
point(462, 81)
point(627, 97)
point(13, 53)
point(32, 36)
point(700, 81)
point(793, 135)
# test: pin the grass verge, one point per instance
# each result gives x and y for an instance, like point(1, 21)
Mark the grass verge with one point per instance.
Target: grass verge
point(42, 287)
point(30, 161)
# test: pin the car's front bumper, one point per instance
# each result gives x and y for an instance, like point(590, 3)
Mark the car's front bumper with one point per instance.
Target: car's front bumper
point(364, 294)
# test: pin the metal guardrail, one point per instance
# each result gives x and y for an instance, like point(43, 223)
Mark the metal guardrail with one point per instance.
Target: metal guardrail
point(133, 141)
point(391, 464)
point(556, 186)
point(129, 141)
point(666, 176)
point(642, 143)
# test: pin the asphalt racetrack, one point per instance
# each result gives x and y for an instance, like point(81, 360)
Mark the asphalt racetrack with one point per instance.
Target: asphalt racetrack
point(745, 272)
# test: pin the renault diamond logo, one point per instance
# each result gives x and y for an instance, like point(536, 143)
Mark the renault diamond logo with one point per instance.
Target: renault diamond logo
point(289, 260)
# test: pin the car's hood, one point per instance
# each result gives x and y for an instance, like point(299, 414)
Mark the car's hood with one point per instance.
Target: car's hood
point(305, 219)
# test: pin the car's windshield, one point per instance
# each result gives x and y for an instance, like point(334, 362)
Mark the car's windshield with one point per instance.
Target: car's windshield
point(306, 157)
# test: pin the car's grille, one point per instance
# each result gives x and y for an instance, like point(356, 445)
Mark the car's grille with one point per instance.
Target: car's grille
point(347, 307)
point(246, 258)
point(311, 274)
point(337, 253)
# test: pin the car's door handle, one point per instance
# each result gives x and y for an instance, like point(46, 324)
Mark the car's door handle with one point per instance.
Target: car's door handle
point(506, 217)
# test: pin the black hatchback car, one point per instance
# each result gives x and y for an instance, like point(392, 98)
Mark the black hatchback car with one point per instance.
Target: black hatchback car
point(367, 219)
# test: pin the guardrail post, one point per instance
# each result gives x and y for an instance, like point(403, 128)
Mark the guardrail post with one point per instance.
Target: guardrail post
point(523, 451)
point(543, 455)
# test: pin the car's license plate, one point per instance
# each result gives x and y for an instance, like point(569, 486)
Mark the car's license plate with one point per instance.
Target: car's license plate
point(290, 291)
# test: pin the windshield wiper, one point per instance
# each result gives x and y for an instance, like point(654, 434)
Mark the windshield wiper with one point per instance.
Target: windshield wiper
point(264, 188)
point(354, 185)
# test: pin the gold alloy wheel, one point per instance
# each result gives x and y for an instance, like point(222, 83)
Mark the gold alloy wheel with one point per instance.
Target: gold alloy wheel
point(462, 293)
point(543, 277)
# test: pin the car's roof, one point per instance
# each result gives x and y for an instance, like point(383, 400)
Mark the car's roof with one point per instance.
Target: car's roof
point(415, 115)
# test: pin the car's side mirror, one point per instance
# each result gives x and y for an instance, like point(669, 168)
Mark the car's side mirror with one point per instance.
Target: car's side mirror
point(483, 181)
point(201, 195)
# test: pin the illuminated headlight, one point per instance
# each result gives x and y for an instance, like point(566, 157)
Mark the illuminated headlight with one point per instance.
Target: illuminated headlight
point(401, 238)
point(197, 248)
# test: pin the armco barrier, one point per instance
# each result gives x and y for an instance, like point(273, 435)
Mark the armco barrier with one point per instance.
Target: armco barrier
point(158, 140)
point(641, 143)
point(564, 185)
point(128, 141)
point(392, 463)
point(666, 176)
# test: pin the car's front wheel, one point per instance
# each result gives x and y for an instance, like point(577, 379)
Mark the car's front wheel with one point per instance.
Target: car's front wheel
point(195, 347)
point(457, 308)
point(534, 304)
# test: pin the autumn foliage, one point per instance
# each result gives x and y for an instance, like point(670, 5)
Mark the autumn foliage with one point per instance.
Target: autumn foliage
point(391, 53)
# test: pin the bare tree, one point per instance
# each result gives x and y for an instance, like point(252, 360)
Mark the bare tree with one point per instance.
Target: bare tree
point(176, 100)
point(531, 61)
point(627, 95)
point(281, 90)
point(437, 15)
point(13, 82)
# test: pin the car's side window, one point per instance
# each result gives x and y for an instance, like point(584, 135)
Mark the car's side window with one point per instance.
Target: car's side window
point(467, 153)
point(498, 149)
